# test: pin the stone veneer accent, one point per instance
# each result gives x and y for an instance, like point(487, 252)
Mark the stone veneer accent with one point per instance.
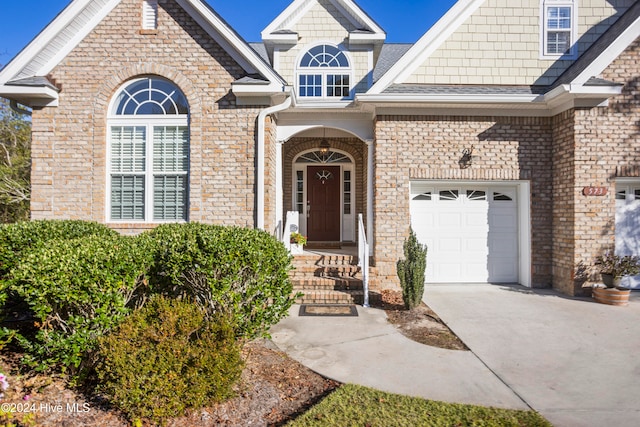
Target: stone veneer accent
point(69, 142)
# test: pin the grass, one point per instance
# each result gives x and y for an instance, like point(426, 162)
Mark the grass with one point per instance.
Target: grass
point(353, 405)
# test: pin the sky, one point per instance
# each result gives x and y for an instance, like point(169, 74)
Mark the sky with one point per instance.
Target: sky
point(405, 21)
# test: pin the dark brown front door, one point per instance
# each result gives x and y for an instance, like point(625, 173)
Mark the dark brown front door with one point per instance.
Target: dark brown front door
point(323, 204)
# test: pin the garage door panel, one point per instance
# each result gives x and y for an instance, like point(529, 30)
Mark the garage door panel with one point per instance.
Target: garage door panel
point(477, 219)
point(452, 246)
point(475, 246)
point(449, 219)
point(469, 238)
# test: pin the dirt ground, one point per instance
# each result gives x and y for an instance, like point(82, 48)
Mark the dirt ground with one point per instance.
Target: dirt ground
point(273, 388)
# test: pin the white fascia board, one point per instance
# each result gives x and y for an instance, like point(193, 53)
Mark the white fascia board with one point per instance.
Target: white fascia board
point(350, 10)
point(428, 43)
point(293, 10)
point(447, 99)
point(366, 39)
point(228, 39)
point(610, 54)
point(241, 89)
point(290, 39)
point(77, 38)
point(323, 105)
point(50, 31)
point(33, 96)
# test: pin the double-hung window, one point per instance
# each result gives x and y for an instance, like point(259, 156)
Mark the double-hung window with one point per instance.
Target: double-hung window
point(148, 149)
point(558, 29)
point(324, 73)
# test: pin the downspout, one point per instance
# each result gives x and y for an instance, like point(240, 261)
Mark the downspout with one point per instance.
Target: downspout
point(261, 155)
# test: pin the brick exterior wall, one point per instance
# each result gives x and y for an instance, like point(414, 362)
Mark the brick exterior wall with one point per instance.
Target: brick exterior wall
point(353, 146)
point(69, 141)
point(593, 147)
point(429, 147)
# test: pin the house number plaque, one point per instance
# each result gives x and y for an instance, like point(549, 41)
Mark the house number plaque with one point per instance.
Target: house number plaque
point(595, 191)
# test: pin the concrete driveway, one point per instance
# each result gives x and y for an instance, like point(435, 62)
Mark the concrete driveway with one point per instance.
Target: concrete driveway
point(573, 360)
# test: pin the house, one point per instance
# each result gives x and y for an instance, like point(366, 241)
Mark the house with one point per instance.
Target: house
point(507, 136)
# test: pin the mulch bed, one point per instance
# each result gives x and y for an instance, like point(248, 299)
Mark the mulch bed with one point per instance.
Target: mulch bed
point(420, 324)
point(273, 389)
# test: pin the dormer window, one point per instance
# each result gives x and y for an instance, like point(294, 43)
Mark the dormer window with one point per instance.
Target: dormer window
point(558, 29)
point(324, 73)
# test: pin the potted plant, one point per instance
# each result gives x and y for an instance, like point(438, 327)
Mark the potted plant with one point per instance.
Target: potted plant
point(613, 268)
point(297, 241)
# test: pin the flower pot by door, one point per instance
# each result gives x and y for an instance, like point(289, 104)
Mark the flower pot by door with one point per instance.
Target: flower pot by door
point(611, 281)
point(296, 249)
point(611, 296)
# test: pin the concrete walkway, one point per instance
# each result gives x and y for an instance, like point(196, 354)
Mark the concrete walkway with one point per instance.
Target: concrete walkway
point(574, 361)
point(369, 351)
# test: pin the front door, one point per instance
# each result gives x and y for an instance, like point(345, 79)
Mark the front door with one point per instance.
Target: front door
point(323, 204)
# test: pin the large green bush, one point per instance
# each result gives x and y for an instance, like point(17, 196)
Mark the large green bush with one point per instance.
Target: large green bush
point(17, 239)
point(76, 290)
point(167, 357)
point(239, 271)
point(411, 271)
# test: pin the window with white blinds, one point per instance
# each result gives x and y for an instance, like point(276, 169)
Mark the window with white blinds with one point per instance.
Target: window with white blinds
point(148, 153)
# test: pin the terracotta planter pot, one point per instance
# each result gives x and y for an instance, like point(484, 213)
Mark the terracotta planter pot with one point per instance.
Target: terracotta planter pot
point(611, 296)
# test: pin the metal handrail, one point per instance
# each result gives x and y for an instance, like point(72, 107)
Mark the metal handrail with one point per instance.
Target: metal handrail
point(363, 259)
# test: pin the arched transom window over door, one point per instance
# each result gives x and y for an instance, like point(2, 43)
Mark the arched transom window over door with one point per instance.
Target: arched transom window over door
point(324, 73)
point(148, 146)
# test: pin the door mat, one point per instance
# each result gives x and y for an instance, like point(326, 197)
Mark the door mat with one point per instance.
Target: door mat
point(327, 310)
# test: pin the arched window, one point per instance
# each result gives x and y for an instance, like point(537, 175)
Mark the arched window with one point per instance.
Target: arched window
point(148, 152)
point(324, 72)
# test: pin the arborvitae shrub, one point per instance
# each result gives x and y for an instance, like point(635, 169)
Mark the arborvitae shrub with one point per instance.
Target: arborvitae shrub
point(168, 357)
point(411, 271)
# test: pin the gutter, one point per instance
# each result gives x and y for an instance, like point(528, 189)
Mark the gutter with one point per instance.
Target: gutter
point(261, 154)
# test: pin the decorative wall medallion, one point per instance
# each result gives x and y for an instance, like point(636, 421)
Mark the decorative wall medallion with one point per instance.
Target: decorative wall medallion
point(324, 175)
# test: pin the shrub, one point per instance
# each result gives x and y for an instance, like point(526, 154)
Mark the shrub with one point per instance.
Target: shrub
point(411, 271)
point(238, 271)
point(77, 290)
point(166, 358)
point(16, 239)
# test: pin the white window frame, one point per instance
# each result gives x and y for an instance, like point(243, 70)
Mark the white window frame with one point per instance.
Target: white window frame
point(149, 122)
point(545, 5)
point(324, 73)
point(347, 221)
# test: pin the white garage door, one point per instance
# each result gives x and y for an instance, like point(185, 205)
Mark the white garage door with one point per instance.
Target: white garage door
point(471, 232)
point(628, 225)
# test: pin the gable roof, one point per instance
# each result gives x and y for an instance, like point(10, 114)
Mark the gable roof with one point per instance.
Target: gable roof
point(591, 63)
point(80, 17)
point(604, 50)
point(427, 44)
point(367, 30)
point(579, 85)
